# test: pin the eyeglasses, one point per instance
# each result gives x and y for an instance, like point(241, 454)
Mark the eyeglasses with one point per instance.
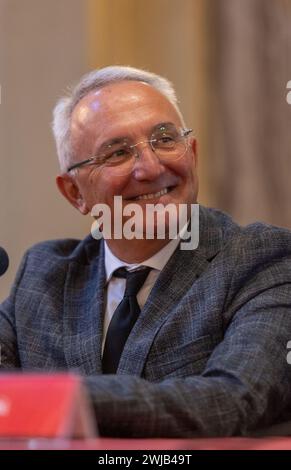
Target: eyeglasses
point(167, 142)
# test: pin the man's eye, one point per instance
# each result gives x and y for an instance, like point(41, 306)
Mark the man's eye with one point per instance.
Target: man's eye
point(165, 140)
point(117, 155)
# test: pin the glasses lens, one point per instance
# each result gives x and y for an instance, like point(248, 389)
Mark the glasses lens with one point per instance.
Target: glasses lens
point(168, 143)
point(119, 157)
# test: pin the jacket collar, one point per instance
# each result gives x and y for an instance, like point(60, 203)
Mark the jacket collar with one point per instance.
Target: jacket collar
point(178, 276)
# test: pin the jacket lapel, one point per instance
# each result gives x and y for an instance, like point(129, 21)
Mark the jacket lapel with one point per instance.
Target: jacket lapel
point(177, 277)
point(83, 312)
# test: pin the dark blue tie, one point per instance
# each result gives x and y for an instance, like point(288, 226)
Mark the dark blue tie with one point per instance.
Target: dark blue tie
point(123, 318)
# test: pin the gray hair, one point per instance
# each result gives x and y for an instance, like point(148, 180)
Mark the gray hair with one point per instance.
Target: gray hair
point(93, 80)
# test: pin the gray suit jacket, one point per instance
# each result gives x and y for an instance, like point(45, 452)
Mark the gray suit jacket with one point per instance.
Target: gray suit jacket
point(207, 355)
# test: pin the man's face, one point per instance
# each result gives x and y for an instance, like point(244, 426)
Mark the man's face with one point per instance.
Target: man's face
point(130, 110)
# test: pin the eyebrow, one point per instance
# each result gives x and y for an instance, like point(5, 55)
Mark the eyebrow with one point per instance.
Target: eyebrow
point(118, 139)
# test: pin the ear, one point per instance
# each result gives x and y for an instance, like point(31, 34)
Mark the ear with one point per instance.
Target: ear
point(69, 189)
point(193, 145)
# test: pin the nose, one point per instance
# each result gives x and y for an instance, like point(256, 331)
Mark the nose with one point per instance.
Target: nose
point(147, 165)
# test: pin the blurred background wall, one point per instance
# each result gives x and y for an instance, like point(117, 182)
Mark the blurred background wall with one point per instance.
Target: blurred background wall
point(229, 60)
point(250, 120)
point(43, 48)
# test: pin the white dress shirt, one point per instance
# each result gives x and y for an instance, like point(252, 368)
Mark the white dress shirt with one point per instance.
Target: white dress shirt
point(115, 286)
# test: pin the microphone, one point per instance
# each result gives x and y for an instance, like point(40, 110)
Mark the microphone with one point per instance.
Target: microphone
point(4, 261)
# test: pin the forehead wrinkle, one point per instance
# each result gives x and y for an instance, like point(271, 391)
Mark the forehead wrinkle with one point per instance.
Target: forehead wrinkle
point(116, 138)
point(119, 98)
point(102, 114)
point(135, 122)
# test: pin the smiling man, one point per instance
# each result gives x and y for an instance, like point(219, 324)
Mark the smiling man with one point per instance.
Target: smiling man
point(115, 120)
point(170, 342)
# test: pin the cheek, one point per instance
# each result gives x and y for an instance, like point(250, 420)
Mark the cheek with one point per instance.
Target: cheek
point(102, 187)
point(113, 184)
point(184, 167)
point(189, 167)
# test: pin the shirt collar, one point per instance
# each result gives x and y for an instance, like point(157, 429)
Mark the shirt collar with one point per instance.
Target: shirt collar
point(157, 261)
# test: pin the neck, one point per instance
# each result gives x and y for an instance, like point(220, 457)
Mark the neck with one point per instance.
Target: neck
point(135, 251)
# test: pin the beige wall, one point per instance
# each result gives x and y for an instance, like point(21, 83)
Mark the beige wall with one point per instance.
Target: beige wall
point(42, 49)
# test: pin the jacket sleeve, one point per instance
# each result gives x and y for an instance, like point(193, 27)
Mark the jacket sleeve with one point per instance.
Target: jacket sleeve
point(9, 358)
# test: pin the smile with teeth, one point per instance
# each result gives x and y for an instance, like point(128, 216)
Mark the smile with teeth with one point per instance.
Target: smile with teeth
point(152, 195)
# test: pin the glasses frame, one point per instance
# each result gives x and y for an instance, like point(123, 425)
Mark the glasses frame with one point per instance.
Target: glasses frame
point(184, 133)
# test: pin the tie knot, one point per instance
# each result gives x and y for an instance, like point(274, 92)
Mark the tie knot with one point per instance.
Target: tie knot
point(134, 279)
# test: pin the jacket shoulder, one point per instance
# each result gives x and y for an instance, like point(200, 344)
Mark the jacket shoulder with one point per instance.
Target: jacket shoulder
point(65, 250)
point(45, 265)
point(259, 238)
point(48, 261)
point(254, 236)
